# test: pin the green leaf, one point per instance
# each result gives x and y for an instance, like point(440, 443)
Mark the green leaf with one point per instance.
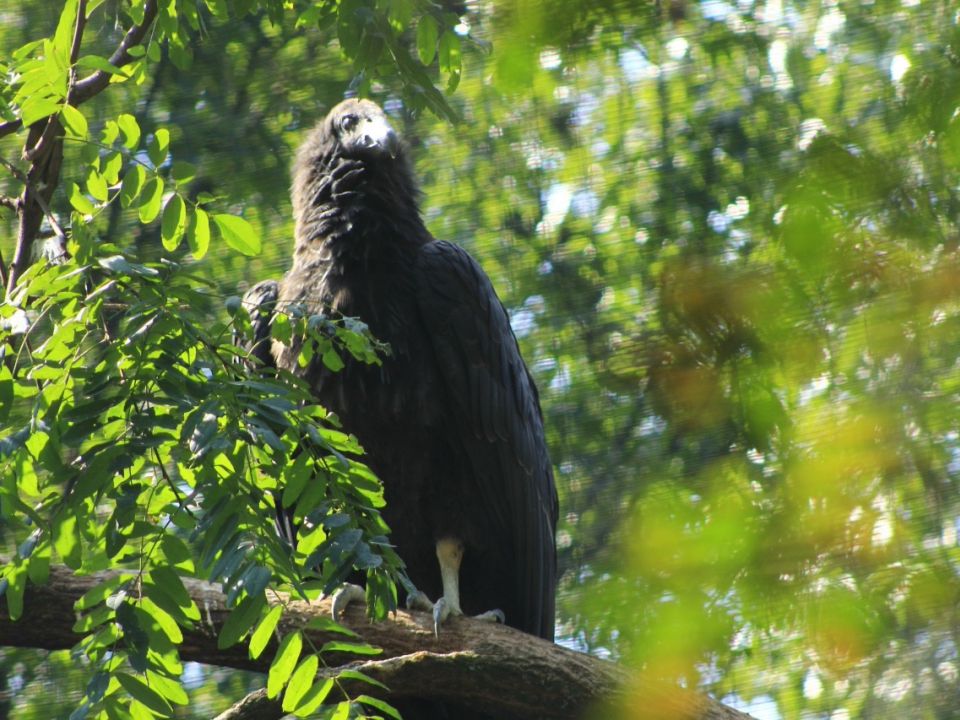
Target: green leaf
point(147, 695)
point(427, 39)
point(130, 129)
point(95, 62)
point(158, 146)
point(300, 681)
point(100, 592)
point(314, 698)
point(173, 223)
point(331, 358)
point(63, 36)
point(264, 631)
point(97, 186)
point(380, 705)
point(151, 201)
point(80, 202)
point(353, 648)
point(238, 233)
point(38, 108)
point(351, 674)
point(163, 619)
point(132, 185)
point(16, 579)
point(111, 166)
point(198, 236)
point(74, 121)
point(450, 61)
point(283, 663)
point(241, 620)
point(183, 172)
point(66, 538)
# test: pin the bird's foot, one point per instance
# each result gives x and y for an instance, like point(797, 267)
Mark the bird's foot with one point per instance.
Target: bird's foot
point(344, 596)
point(444, 608)
point(419, 601)
point(495, 616)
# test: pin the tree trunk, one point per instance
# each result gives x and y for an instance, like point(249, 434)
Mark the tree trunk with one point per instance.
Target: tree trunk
point(489, 668)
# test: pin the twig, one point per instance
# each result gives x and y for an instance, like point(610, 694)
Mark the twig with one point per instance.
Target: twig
point(89, 86)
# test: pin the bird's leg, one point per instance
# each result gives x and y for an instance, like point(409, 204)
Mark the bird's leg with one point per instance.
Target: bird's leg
point(344, 596)
point(450, 555)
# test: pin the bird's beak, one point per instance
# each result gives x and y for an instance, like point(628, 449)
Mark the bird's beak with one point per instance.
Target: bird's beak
point(377, 133)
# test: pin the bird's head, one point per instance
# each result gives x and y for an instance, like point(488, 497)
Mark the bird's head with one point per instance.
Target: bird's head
point(362, 130)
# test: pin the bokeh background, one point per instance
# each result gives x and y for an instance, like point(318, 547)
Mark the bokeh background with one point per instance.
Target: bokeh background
point(726, 233)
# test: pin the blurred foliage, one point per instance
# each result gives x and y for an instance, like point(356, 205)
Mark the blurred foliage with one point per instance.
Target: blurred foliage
point(727, 236)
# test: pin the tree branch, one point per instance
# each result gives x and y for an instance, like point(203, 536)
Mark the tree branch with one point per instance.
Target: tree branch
point(97, 81)
point(488, 668)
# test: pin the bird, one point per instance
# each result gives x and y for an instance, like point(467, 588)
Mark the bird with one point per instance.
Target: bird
point(450, 420)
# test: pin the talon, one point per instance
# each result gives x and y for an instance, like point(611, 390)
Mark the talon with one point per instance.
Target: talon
point(419, 601)
point(343, 597)
point(441, 611)
point(494, 616)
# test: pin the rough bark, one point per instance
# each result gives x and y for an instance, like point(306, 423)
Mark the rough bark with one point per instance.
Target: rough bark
point(489, 668)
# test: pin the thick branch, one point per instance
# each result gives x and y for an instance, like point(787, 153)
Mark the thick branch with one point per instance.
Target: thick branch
point(489, 668)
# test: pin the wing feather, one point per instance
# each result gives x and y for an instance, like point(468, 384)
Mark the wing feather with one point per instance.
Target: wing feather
point(498, 420)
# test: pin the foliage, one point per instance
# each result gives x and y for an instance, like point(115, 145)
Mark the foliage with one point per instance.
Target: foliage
point(726, 234)
point(139, 436)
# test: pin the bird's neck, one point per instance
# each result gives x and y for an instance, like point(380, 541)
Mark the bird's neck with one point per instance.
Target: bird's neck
point(357, 209)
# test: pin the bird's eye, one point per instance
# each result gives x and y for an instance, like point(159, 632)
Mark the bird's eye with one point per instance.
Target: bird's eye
point(348, 122)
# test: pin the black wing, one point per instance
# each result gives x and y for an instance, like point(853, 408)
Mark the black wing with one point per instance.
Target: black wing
point(499, 423)
point(260, 302)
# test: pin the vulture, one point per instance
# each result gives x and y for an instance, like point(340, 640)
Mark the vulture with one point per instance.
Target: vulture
point(451, 421)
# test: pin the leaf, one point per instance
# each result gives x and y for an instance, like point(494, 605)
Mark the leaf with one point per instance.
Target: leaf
point(427, 39)
point(198, 236)
point(163, 619)
point(37, 108)
point(147, 695)
point(173, 223)
point(151, 201)
point(380, 705)
point(112, 164)
point(264, 631)
point(158, 146)
point(283, 663)
point(314, 698)
point(130, 129)
point(183, 172)
point(66, 539)
point(95, 62)
point(351, 674)
point(353, 648)
point(326, 624)
point(300, 681)
point(240, 621)
point(63, 35)
point(132, 185)
point(74, 121)
point(97, 186)
point(80, 202)
point(100, 592)
point(238, 233)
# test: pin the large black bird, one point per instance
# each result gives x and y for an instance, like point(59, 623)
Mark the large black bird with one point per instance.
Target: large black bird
point(451, 421)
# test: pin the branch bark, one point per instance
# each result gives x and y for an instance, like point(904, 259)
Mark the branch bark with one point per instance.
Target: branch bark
point(489, 668)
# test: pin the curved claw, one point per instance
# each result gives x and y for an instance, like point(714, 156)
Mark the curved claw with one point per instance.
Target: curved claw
point(495, 616)
point(441, 611)
point(343, 597)
point(419, 601)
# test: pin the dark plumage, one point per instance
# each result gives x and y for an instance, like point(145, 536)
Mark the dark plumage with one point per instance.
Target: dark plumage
point(451, 421)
